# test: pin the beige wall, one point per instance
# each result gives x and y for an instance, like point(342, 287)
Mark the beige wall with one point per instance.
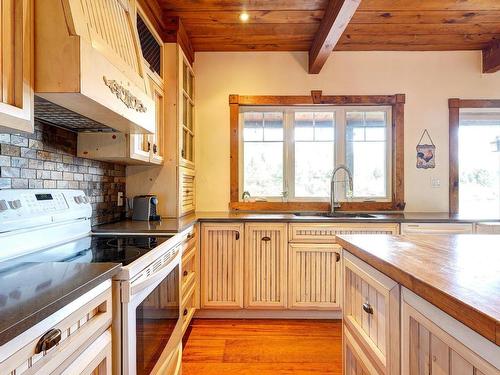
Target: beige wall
point(427, 78)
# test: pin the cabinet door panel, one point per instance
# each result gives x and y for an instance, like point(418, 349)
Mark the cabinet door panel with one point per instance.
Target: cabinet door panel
point(222, 266)
point(427, 349)
point(16, 65)
point(314, 276)
point(265, 265)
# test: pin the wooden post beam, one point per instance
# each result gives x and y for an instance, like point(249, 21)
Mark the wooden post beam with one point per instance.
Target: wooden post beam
point(491, 58)
point(337, 16)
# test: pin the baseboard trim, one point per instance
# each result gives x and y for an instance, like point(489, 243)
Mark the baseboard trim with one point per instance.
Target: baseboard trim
point(267, 314)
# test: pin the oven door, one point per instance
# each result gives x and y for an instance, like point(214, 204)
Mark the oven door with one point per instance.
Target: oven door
point(151, 324)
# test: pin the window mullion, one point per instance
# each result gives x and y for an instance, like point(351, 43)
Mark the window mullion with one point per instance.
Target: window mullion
point(289, 147)
point(340, 148)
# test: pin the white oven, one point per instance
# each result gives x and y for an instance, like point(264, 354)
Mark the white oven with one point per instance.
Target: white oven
point(151, 326)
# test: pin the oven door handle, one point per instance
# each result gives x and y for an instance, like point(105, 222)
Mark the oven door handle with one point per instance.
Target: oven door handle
point(158, 275)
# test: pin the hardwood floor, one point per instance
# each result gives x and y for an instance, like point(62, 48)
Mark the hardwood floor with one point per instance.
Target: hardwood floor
point(263, 347)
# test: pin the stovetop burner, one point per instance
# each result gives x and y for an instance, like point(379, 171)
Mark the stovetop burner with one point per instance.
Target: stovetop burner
point(99, 249)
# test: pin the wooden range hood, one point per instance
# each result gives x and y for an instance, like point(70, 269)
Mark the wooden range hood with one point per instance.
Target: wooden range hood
point(88, 59)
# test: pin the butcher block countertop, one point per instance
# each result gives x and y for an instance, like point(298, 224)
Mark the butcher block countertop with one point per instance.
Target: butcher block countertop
point(460, 274)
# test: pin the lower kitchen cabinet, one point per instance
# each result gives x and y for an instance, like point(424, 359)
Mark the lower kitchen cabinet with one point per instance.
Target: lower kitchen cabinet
point(314, 276)
point(81, 331)
point(371, 313)
point(222, 265)
point(355, 360)
point(265, 265)
point(428, 349)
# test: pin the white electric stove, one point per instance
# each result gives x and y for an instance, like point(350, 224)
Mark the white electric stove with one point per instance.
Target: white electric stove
point(54, 226)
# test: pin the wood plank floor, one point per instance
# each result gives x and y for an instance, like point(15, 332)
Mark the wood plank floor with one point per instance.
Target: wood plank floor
point(263, 347)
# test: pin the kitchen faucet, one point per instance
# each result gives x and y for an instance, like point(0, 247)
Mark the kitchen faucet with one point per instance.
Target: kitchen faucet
point(333, 204)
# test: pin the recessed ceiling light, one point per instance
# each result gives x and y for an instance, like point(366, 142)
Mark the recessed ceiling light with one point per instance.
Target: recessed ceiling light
point(244, 16)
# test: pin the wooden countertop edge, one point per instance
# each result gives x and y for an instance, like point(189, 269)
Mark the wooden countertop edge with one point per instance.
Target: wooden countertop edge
point(479, 322)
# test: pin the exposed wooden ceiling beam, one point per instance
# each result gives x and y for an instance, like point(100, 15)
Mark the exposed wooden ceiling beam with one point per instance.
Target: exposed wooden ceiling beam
point(491, 58)
point(176, 33)
point(337, 16)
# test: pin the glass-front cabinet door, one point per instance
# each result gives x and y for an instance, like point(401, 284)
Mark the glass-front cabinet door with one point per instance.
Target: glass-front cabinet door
point(187, 118)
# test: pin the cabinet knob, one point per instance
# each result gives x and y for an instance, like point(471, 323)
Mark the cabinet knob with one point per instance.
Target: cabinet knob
point(149, 146)
point(237, 235)
point(266, 239)
point(185, 312)
point(185, 273)
point(367, 308)
point(48, 341)
point(155, 149)
point(337, 257)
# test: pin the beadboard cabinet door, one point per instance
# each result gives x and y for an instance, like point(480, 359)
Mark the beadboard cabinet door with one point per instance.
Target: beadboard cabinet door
point(427, 349)
point(16, 65)
point(266, 265)
point(314, 276)
point(222, 265)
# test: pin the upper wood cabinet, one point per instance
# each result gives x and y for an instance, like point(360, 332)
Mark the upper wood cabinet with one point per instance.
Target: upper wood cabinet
point(88, 59)
point(222, 265)
point(180, 104)
point(266, 265)
point(187, 124)
point(16, 65)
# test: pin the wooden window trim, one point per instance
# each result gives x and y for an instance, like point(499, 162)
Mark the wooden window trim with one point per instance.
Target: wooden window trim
point(454, 106)
point(316, 98)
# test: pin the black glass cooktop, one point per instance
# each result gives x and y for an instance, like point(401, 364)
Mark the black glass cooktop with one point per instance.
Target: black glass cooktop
point(99, 249)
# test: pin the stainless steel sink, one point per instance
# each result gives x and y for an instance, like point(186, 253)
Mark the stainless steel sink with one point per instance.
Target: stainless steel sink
point(339, 215)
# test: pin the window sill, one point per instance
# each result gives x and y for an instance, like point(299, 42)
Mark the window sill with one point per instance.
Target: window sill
point(314, 206)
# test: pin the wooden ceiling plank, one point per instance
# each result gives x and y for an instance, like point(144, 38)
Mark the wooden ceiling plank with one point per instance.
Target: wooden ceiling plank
point(409, 47)
point(423, 29)
point(194, 18)
point(429, 39)
point(239, 5)
point(420, 5)
point(425, 17)
point(491, 58)
point(337, 17)
point(251, 30)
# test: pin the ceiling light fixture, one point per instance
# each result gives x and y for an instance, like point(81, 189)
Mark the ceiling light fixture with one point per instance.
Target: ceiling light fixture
point(244, 16)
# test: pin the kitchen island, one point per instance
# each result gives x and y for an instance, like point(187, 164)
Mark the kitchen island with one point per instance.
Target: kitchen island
point(439, 295)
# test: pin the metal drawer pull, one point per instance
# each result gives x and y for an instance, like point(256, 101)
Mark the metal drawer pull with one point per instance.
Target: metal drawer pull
point(237, 236)
point(48, 341)
point(337, 257)
point(185, 312)
point(266, 238)
point(367, 308)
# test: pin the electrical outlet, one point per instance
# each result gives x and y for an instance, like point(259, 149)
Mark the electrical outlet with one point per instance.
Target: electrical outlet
point(120, 199)
point(435, 182)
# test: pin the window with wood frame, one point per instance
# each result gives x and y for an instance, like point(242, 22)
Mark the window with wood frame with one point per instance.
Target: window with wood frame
point(475, 157)
point(284, 149)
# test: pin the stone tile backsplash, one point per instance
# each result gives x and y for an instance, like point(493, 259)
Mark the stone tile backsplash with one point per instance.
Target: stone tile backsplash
point(47, 159)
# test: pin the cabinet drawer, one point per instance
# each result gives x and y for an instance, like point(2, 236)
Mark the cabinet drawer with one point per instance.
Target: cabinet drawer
point(327, 232)
point(95, 360)
point(371, 312)
point(188, 269)
point(188, 307)
point(436, 228)
point(355, 360)
point(78, 329)
point(186, 191)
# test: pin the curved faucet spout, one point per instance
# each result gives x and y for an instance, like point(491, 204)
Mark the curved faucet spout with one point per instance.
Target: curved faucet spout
point(334, 204)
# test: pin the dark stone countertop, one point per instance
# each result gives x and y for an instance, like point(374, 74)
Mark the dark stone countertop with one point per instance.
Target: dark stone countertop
point(173, 225)
point(30, 292)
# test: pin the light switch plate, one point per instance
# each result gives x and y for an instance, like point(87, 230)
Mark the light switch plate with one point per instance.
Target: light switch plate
point(435, 182)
